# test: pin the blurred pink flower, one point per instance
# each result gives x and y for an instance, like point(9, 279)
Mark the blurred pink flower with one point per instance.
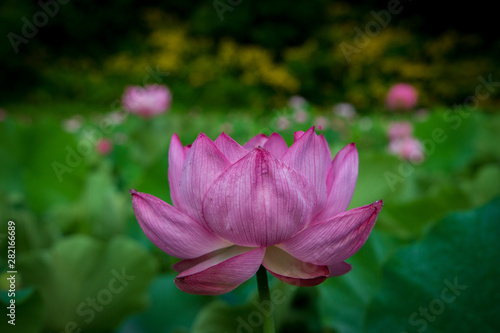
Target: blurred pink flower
point(282, 122)
point(407, 148)
point(399, 130)
point(421, 114)
point(300, 116)
point(236, 208)
point(147, 102)
point(321, 122)
point(117, 117)
point(297, 102)
point(345, 110)
point(401, 96)
point(73, 124)
point(104, 146)
point(3, 114)
point(227, 127)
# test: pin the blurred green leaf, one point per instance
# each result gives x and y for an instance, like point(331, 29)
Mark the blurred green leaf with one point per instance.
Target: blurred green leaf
point(42, 146)
point(410, 219)
point(11, 155)
point(219, 317)
point(372, 184)
point(170, 310)
point(448, 282)
point(487, 143)
point(101, 210)
point(343, 300)
point(485, 184)
point(301, 312)
point(448, 138)
point(89, 284)
point(293, 310)
point(31, 232)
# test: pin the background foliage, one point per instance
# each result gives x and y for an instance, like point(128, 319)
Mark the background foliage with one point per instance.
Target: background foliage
point(258, 55)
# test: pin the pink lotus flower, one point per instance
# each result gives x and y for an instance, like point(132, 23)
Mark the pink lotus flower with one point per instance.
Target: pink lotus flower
point(345, 110)
point(282, 123)
point(104, 146)
point(321, 122)
point(407, 148)
point(149, 101)
point(400, 130)
point(300, 116)
point(73, 124)
point(236, 208)
point(297, 102)
point(3, 114)
point(401, 96)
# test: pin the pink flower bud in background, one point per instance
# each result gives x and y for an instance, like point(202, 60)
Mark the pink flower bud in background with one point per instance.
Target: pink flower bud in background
point(300, 116)
point(73, 124)
point(297, 102)
point(282, 123)
point(104, 146)
point(399, 130)
point(117, 117)
point(345, 110)
point(3, 114)
point(147, 102)
point(407, 148)
point(421, 114)
point(321, 122)
point(227, 128)
point(237, 207)
point(401, 96)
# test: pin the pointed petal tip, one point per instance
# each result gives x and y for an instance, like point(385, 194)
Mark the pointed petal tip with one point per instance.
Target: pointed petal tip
point(351, 147)
point(339, 269)
point(311, 129)
point(175, 138)
point(341, 236)
point(202, 136)
point(132, 191)
point(171, 230)
point(261, 151)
